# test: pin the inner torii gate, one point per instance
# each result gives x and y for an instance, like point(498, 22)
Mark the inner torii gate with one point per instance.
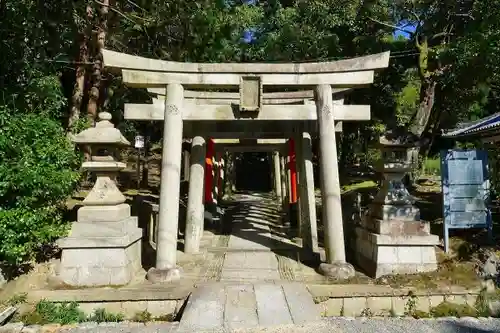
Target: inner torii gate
point(255, 111)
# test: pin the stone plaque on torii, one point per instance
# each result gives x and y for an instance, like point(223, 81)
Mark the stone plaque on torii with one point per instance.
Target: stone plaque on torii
point(250, 111)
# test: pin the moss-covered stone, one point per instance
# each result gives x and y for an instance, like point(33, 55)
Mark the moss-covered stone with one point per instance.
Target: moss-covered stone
point(447, 309)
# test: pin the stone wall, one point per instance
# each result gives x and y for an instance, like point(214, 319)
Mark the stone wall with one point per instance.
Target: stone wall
point(357, 300)
point(129, 309)
point(332, 300)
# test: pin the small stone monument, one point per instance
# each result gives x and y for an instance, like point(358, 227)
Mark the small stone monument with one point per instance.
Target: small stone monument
point(391, 238)
point(104, 245)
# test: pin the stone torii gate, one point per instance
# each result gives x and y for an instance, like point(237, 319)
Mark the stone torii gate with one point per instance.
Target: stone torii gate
point(250, 112)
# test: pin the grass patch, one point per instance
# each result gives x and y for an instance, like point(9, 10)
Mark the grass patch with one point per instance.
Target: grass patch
point(431, 166)
point(450, 272)
point(50, 313)
point(358, 186)
point(146, 316)
point(45, 312)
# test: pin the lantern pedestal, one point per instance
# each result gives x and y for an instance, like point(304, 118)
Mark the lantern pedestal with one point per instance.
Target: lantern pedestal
point(103, 247)
point(391, 239)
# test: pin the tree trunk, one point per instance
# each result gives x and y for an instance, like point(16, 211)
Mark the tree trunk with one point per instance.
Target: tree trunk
point(78, 89)
point(87, 153)
point(92, 106)
point(421, 119)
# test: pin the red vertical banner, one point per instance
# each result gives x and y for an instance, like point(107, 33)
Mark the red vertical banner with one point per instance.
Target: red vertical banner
point(216, 179)
point(293, 171)
point(220, 173)
point(208, 171)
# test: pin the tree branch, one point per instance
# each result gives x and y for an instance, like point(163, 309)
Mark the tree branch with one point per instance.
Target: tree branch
point(136, 6)
point(416, 16)
point(122, 14)
point(115, 10)
point(392, 26)
point(441, 34)
point(465, 15)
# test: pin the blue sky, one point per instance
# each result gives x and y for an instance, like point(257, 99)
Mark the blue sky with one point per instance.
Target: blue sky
point(405, 26)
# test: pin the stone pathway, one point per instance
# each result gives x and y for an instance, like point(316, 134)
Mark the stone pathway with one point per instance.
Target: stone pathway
point(249, 256)
point(250, 293)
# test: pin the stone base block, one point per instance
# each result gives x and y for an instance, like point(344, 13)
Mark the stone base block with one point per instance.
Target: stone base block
point(164, 275)
point(396, 227)
point(102, 234)
point(100, 253)
point(390, 212)
point(382, 255)
point(103, 213)
point(104, 266)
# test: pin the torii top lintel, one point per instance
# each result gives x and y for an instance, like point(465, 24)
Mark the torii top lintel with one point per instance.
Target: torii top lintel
point(143, 72)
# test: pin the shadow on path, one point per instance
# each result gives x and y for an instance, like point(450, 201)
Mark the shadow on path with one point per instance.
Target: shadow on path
point(257, 219)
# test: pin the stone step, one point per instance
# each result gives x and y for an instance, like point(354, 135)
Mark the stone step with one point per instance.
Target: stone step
point(204, 309)
point(241, 307)
point(272, 307)
point(245, 306)
point(300, 303)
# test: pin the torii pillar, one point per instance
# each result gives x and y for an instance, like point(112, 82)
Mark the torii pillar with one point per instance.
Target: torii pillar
point(166, 269)
point(292, 166)
point(335, 265)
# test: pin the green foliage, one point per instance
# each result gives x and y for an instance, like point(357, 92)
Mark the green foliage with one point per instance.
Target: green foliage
point(37, 161)
point(17, 299)
point(46, 312)
point(447, 309)
point(419, 314)
point(26, 230)
point(494, 170)
point(37, 171)
point(103, 316)
point(407, 99)
point(431, 166)
point(80, 125)
point(143, 317)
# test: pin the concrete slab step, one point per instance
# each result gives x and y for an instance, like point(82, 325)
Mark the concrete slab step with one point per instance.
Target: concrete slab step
point(204, 309)
point(300, 303)
point(246, 306)
point(241, 307)
point(272, 307)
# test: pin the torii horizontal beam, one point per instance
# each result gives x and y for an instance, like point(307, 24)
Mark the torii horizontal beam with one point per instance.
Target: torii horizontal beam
point(212, 97)
point(190, 133)
point(250, 130)
point(144, 79)
point(130, 62)
point(242, 148)
point(258, 141)
point(196, 112)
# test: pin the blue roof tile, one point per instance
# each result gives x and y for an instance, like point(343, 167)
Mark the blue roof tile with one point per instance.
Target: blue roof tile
point(474, 127)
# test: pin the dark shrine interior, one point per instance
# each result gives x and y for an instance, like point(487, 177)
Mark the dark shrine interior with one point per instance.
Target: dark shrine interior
point(253, 172)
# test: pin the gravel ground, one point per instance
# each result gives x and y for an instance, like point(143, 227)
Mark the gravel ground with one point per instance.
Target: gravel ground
point(327, 325)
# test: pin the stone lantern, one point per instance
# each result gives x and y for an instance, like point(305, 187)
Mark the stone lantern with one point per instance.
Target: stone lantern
point(103, 247)
point(391, 238)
